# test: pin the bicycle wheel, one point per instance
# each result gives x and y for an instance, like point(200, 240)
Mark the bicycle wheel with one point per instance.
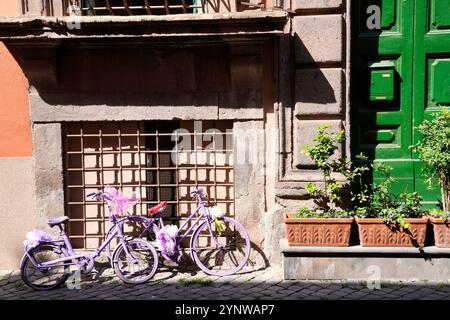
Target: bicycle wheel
point(138, 265)
point(133, 226)
point(227, 253)
point(43, 278)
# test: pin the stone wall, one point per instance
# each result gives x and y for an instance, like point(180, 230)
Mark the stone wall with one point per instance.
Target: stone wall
point(206, 82)
point(17, 215)
point(313, 66)
point(83, 81)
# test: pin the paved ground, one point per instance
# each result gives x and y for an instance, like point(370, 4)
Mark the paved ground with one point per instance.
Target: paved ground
point(170, 283)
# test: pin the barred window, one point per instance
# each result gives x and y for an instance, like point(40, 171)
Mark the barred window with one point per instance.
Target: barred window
point(159, 161)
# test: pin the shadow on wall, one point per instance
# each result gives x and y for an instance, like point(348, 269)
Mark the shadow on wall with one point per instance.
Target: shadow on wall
point(313, 97)
point(318, 99)
point(312, 84)
point(208, 75)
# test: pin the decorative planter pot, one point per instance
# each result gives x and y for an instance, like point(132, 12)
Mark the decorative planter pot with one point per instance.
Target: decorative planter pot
point(441, 232)
point(376, 233)
point(317, 232)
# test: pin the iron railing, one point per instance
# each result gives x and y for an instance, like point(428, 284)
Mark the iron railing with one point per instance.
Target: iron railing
point(134, 7)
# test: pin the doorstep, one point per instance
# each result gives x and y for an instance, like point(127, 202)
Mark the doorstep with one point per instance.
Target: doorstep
point(365, 263)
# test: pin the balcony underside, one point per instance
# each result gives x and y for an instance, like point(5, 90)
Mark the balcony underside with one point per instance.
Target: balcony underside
point(239, 26)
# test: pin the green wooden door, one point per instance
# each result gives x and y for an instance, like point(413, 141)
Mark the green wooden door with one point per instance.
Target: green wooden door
point(382, 47)
point(431, 73)
point(400, 72)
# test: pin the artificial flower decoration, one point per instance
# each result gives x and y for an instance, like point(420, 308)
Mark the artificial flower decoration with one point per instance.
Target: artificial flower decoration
point(216, 213)
point(120, 203)
point(33, 238)
point(166, 241)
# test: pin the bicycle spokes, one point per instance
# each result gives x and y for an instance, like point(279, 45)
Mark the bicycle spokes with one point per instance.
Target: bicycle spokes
point(135, 261)
point(221, 253)
point(44, 278)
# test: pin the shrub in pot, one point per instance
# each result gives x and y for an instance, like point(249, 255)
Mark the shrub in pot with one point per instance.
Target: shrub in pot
point(385, 219)
point(441, 227)
point(434, 151)
point(310, 228)
point(326, 224)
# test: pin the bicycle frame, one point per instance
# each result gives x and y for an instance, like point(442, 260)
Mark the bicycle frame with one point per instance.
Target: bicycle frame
point(66, 247)
point(204, 215)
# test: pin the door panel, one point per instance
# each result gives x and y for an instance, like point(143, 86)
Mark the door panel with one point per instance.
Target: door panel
point(411, 44)
point(431, 74)
point(439, 14)
point(381, 126)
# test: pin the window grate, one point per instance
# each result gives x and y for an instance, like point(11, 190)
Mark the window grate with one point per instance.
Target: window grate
point(137, 7)
point(155, 160)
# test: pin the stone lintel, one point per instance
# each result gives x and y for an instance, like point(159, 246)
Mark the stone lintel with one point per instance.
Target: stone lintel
point(53, 29)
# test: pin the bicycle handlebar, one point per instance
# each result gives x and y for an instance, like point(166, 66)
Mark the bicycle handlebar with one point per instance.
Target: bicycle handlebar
point(99, 195)
point(92, 194)
point(198, 192)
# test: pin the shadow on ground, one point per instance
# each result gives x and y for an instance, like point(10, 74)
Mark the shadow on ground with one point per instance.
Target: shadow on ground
point(181, 283)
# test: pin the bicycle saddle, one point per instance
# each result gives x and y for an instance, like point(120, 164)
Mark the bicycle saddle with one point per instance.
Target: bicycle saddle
point(159, 207)
point(55, 221)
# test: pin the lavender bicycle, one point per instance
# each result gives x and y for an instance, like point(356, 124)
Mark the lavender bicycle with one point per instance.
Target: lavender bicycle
point(219, 245)
point(46, 263)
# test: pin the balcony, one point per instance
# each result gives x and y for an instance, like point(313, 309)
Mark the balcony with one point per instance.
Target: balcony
point(58, 8)
point(56, 21)
point(162, 65)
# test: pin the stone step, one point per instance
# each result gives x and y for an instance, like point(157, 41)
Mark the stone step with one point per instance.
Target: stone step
point(365, 263)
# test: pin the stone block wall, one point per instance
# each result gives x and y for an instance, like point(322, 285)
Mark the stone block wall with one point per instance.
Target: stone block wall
point(96, 84)
point(317, 69)
point(313, 69)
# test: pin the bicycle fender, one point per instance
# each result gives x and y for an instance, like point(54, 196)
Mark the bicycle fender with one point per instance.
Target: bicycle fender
point(28, 253)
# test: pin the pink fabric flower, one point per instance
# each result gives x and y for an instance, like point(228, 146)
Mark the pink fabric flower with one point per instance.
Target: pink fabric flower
point(33, 238)
point(166, 241)
point(119, 203)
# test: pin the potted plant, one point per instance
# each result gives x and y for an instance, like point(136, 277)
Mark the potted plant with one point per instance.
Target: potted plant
point(327, 224)
point(385, 219)
point(434, 151)
point(441, 227)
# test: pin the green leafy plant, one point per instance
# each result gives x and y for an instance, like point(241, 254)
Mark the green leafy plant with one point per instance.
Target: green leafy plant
point(434, 150)
point(438, 213)
point(381, 203)
point(304, 212)
point(373, 200)
point(329, 194)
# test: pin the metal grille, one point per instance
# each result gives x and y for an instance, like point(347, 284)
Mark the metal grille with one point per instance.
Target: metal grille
point(137, 7)
point(149, 158)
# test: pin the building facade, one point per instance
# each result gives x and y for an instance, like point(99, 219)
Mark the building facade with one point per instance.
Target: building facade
point(158, 98)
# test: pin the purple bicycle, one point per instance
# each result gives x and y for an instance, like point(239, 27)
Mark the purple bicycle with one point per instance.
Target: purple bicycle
point(46, 264)
point(219, 245)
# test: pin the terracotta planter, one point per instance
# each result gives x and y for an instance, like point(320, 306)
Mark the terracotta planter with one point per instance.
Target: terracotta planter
point(317, 232)
point(441, 232)
point(375, 233)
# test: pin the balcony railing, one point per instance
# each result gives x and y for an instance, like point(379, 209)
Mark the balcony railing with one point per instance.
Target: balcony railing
point(59, 8)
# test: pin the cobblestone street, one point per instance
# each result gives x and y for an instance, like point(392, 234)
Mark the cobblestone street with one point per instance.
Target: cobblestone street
point(171, 284)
